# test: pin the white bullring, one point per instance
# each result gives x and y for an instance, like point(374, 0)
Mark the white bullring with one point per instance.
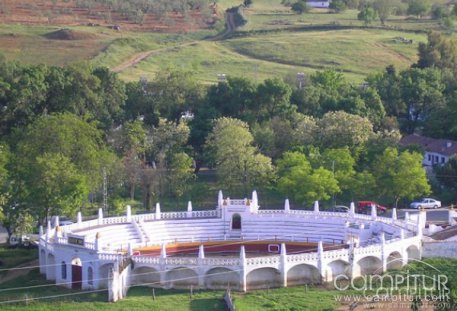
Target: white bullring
point(211, 249)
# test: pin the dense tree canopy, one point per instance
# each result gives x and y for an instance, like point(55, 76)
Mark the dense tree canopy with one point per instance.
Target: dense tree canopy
point(400, 175)
point(238, 162)
point(58, 159)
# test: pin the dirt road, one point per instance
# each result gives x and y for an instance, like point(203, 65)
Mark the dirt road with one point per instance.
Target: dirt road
point(137, 58)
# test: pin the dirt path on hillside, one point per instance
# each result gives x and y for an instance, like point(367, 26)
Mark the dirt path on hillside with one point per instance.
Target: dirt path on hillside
point(137, 58)
point(15, 272)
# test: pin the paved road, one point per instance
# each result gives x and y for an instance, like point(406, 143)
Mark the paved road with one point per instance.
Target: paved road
point(433, 215)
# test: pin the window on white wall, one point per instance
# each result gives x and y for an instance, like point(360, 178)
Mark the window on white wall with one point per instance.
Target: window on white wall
point(64, 270)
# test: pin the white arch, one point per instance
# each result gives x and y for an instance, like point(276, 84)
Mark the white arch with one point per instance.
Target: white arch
point(181, 277)
point(221, 278)
point(103, 274)
point(303, 274)
point(145, 276)
point(51, 267)
point(336, 268)
point(263, 278)
point(394, 261)
point(413, 253)
point(370, 265)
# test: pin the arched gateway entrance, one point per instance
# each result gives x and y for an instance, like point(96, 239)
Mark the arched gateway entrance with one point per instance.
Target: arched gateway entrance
point(76, 273)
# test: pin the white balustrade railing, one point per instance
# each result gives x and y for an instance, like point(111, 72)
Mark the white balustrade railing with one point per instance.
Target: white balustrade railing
point(306, 257)
point(153, 260)
point(221, 261)
point(238, 202)
point(335, 254)
point(110, 257)
point(262, 260)
point(178, 261)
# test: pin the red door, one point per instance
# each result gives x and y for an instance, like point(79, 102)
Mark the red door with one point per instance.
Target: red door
point(76, 277)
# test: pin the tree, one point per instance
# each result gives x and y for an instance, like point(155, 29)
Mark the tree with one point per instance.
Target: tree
point(173, 92)
point(4, 179)
point(238, 163)
point(273, 98)
point(180, 174)
point(300, 7)
point(340, 129)
point(421, 91)
point(384, 8)
point(55, 186)
point(337, 6)
point(367, 15)
point(232, 98)
point(439, 51)
point(298, 180)
point(57, 159)
point(400, 175)
point(418, 7)
point(342, 165)
point(447, 174)
point(131, 142)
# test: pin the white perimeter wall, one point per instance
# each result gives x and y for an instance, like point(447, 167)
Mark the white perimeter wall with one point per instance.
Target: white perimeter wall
point(446, 249)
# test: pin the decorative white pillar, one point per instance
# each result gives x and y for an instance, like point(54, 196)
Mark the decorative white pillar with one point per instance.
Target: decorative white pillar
point(98, 242)
point(48, 231)
point(41, 231)
point(402, 234)
point(352, 209)
point(201, 268)
point(406, 216)
point(452, 215)
point(157, 210)
point(56, 221)
point(79, 218)
point(422, 218)
point(283, 262)
point(320, 260)
point(255, 200)
point(128, 213)
point(243, 274)
point(286, 206)
point(100, 216)
point(383, 252)
point(373, 212)
point(201, 252)
point(220, 199)
point(57, 233)
point(163, 251)
point(189, 209)
point(316, 207)
point(394, 213)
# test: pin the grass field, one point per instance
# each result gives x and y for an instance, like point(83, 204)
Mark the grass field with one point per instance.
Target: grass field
point(269, 46)
point(12, 257)
point(41, 295)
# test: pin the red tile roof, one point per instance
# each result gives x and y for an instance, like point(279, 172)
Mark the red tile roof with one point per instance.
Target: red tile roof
point(445, 147)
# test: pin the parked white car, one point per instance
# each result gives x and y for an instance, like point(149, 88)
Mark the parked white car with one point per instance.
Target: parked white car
point(426, 203)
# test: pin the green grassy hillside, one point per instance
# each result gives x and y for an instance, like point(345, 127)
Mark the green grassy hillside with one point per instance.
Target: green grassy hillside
point(274, 42)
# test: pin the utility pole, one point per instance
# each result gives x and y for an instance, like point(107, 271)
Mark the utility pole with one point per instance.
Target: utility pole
point(105, 191)
point(333, 172)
